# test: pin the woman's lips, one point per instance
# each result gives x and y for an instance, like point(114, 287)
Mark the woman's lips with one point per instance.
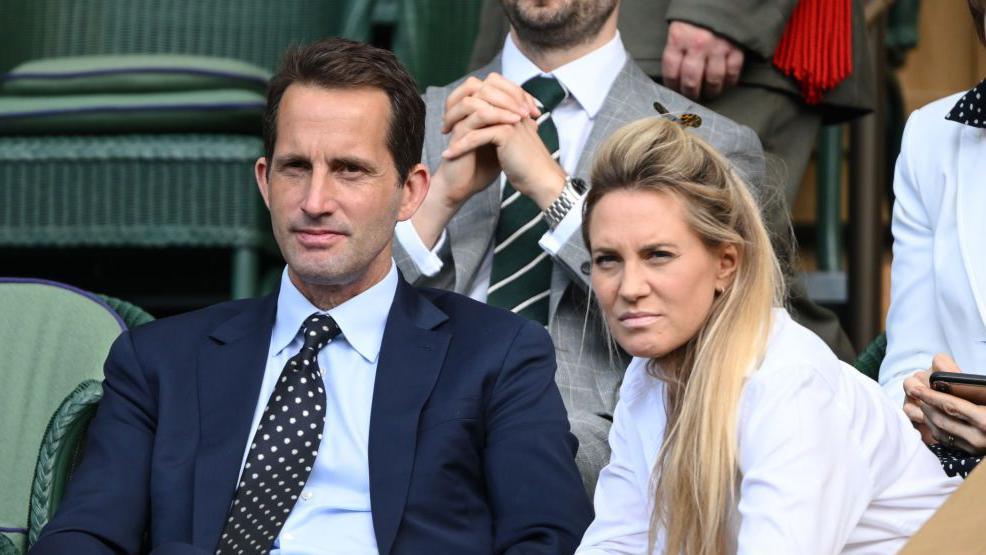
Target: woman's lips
point(638, 319)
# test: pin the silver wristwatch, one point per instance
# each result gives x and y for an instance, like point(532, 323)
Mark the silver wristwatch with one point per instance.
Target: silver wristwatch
point(570, 194)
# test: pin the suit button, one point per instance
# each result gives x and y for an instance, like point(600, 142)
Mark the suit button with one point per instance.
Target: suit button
point(585, 268)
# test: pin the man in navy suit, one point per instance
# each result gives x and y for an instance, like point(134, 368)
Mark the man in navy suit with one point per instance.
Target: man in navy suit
point(348, 412)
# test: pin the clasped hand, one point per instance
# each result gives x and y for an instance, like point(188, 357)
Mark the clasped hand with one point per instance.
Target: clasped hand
point(941, 417)
point(492, 127)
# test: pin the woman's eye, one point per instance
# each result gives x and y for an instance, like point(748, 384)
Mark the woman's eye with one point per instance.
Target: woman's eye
point(660, 256)
point(604, 260)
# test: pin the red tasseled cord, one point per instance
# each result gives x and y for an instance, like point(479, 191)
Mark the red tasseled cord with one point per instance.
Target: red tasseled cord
point(816, 48)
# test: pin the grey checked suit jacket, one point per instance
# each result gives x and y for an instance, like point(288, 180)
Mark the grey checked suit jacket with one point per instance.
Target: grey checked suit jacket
point(590, 369)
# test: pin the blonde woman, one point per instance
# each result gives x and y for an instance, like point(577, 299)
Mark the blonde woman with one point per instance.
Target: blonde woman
point(737, 429)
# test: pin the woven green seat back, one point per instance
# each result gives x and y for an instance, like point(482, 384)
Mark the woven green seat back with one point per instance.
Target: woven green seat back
point(7, 547)
point(59, 454)
point(871, 358)
point(435, 38)
point(131, 314)
point(253, 30)
point(133, 190)
point(54, 337)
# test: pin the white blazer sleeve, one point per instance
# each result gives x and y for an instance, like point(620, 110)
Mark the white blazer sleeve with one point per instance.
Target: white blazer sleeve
point(914, 333)
point(804, 484)
point(621, 499)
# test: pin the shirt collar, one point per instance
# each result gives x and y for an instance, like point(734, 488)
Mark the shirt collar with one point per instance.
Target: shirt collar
point(971, 108)
point(587, 79)
point(362, 319)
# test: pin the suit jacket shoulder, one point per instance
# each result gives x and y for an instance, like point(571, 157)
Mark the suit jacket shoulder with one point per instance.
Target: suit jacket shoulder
point(633, 96)
point(198, 322)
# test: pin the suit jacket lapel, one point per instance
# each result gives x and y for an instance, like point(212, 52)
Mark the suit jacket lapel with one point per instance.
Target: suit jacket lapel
point(629, 99)
point(471, 231)
point(970, 199)
point(411, 357)
point(230, 370)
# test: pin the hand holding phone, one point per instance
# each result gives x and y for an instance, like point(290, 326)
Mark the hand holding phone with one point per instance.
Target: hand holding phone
point(971, 387)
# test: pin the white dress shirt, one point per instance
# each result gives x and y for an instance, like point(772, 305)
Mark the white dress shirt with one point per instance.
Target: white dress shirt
point(827, 464)
point(332, 515)
point(586, 81)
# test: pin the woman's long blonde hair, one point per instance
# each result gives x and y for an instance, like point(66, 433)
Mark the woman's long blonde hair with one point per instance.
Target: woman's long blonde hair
point(694, 479)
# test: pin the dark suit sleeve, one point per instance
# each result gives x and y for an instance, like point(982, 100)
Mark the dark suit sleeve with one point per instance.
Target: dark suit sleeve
point(105, 508)
point(538, 501)
point(756, 25)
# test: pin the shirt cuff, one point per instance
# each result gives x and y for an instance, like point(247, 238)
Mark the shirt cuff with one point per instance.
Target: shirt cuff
point(555, 239)
point(428, 262)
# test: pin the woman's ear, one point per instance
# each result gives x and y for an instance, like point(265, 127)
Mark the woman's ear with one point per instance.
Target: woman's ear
point(728, 264)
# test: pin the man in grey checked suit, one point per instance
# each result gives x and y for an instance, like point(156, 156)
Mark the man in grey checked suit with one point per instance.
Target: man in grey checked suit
point(486, 123)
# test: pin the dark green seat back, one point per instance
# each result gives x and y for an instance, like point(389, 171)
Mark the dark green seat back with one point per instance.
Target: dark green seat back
point(253, 30)
point(871, 358)
point(434, 38)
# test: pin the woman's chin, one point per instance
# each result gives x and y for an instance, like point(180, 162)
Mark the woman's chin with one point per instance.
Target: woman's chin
point(639, 350)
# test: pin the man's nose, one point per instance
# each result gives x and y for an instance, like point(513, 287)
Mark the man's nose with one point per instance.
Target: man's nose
point(320, 195)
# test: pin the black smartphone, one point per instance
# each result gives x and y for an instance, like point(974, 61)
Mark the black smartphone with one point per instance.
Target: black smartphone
point(971, 387)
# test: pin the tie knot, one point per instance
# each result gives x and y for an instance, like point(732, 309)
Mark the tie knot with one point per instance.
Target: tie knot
point(318, 330)
point(547, 90)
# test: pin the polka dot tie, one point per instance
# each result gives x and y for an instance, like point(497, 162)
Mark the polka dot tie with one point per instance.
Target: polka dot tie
point(283, 450)
point(971, 108)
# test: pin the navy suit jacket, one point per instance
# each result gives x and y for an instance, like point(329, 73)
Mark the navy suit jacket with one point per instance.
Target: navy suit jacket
point(469, 447)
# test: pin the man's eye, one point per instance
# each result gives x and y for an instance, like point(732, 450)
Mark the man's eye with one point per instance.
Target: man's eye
point(293, 167)
point(351, 169)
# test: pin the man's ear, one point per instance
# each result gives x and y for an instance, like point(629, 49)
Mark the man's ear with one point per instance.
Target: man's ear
point(414, 191)
point(729, 260)
point(260, 174)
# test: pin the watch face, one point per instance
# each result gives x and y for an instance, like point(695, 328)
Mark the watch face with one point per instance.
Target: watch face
point(579, 185)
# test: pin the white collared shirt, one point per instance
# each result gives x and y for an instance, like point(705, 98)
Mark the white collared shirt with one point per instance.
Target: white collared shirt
point(587, 81)
point(826, 463)
point(332, 515)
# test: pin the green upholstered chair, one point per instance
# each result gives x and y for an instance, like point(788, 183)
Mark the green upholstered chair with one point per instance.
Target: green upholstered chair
point(55, 340)
point(434, 39)
point(870, 359)
point(150, 190)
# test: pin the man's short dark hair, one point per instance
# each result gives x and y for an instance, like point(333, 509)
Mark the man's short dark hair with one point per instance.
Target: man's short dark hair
point(337, 63)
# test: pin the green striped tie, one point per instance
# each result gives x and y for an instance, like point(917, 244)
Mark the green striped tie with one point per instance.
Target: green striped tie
point(521, 277)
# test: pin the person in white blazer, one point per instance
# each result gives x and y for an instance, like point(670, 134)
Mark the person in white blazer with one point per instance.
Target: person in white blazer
point(937, 316)
point(737, 429)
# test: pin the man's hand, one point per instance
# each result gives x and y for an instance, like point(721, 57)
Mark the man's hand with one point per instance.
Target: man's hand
point(492, 127)
point(950, 420)
point(457, 180)
point(484, 121)
point(696, 62)
point(519, 150)
point(475, 105)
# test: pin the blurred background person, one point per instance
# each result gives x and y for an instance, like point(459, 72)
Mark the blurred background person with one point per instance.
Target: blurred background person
point(737, 429)
point(938, 276)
